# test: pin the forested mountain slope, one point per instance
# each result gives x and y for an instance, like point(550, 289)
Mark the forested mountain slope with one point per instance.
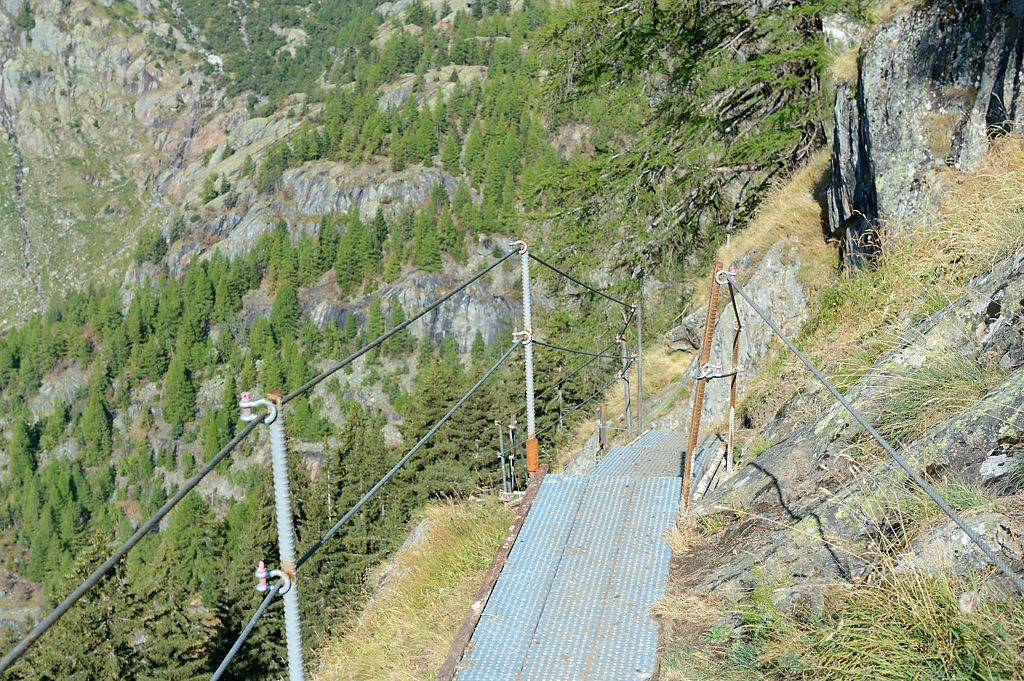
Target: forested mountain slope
point(211, 197)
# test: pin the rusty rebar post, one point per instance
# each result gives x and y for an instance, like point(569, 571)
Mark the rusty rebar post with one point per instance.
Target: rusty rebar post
point(698, 394)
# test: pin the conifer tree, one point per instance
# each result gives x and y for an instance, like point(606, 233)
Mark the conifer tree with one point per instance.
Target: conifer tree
point(94, 640)
point(179, 396)
point(285, 313)
point(392, 267)
point(450, 155)
point(19, 451)
point(95, 424)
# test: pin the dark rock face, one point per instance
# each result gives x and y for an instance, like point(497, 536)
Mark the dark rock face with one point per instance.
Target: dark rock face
point(935, 84)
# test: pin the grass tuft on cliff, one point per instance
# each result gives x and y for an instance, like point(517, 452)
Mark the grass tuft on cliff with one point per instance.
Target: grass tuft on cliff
point(980, 223)
point(405, 631)
point(906, 626)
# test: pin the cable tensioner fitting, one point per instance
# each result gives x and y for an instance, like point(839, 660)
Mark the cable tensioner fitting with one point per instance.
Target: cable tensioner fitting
point(246, 404)
point(525, 337)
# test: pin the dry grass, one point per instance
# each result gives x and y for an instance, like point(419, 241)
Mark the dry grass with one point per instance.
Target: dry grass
point(884, 11)
point(845, 66)
point(683, 606)
point(405, 632)
point(979, 223)
point(663, 369)
point(681, 537)
point(792, 212)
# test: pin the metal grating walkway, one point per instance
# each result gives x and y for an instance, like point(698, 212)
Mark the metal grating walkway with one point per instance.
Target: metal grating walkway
point(573, 601)
point(655, 454)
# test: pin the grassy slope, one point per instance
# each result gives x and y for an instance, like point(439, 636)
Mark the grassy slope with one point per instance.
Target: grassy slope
point(904, 626)
point(404, 633)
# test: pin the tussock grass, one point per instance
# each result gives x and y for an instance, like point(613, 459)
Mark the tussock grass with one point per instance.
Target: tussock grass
point(404, 632)
point(897, 518)
point(921, 397)
point(908, 626)
point(793, 211)
point(845, 66)
point(681, 537)
point(980, 222)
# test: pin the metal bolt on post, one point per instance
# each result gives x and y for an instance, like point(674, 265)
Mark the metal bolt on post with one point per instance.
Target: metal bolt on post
point(285, 528)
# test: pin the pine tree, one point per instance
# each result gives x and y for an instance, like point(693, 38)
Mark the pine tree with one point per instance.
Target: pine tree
point(95, 639)
point(285, 313)
point(179, 396)
point(392, 267)
point(208, 192)
point(26, 19)
point(474, 152)
point(450, 155)
point(95, 424)
point(22, 459)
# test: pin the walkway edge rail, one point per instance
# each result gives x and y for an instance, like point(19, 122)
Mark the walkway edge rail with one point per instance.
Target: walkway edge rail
point(727, 277)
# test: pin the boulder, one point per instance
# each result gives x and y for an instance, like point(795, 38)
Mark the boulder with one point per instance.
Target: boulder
point(946, 548)
point(935, 83)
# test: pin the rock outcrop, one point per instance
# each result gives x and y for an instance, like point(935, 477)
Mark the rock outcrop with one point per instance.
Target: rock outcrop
point(820, 498)
point(771, 278)
point(936, 82)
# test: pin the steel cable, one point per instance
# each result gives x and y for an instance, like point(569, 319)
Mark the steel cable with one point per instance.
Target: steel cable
point(388, 334)
point(900, 461)
point(246, 631)
point(44, 625)
point(602, 389)
point(359, 504)
point(401, 462)
point(573, 351)
point(570, 375)
point(577, 281)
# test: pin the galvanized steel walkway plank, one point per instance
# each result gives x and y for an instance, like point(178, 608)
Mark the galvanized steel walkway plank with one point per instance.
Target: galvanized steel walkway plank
point(656, 453)
point(574, 599)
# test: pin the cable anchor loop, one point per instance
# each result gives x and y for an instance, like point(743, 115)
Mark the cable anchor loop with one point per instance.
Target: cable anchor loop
point(525, 336)
point(710, 370)
point(723, 277)
point(246, 404)
point(262, 575)
point(522, 244)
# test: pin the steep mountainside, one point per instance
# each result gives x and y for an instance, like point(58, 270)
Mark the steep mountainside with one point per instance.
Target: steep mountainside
point(210, 197)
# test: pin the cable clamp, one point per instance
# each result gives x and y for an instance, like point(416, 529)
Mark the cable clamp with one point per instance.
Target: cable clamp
point(710, 370)
point(262, 575)
point(522, 244)
point(246, 404)
point(525, 337)
point(723, 277)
